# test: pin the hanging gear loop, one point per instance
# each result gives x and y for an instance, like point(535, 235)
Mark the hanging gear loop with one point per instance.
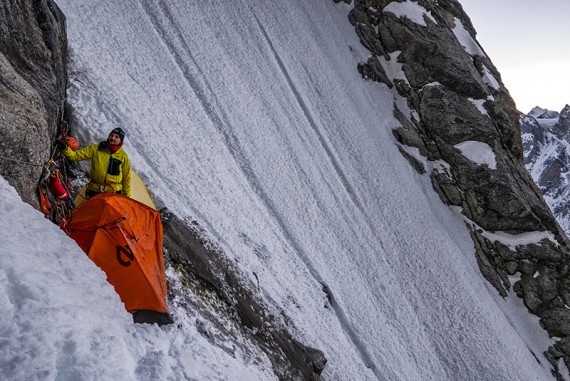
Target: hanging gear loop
point(54, 186)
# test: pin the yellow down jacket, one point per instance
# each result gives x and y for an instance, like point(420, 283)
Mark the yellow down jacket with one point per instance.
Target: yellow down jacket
point(109, 172)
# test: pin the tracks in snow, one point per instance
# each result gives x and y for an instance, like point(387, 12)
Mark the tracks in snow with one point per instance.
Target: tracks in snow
point(309, 116)
point(343, 319)
point(191, 71)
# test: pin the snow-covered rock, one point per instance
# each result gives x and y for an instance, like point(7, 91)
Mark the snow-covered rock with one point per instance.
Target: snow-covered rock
point(546, 139)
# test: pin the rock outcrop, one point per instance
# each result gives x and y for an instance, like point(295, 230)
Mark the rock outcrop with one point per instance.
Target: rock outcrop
point(455, 111)
point(33, 54)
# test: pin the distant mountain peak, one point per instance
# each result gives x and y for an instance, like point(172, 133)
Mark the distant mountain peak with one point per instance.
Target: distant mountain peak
point(546, 139)
point(565, 113)
point(542, 113)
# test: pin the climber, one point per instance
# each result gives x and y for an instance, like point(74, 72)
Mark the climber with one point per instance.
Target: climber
point(110, 166)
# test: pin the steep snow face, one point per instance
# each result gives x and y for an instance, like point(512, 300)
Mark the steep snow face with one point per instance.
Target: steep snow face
point(253, 121)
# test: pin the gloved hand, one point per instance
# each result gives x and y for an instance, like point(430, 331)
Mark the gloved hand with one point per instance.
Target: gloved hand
point(60, 144)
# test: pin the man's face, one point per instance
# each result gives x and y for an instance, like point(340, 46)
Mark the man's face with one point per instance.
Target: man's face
point(114, 139)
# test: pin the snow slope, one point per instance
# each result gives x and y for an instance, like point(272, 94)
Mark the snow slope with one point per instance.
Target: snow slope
point(61, 320)
point(251, 119)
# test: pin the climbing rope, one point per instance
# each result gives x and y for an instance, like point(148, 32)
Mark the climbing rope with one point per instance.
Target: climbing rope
point(20, 161)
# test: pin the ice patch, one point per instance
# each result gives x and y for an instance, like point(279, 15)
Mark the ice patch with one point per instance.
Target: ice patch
point(507, 239)
point(479, 104)
point(465, 39)
point(440, 166)
point(412, 11)
point(514, 240)
point(515, 278)
point(395, 72)
point(431, 84)
point(393, 68)
point(489, 79)
point(478, 152)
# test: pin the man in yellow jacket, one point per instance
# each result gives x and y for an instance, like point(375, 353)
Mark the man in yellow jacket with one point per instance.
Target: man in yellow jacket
point(110, 165)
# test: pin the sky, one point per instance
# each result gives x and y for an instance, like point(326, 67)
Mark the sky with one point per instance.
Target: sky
point(528, 43)
point(285, 157)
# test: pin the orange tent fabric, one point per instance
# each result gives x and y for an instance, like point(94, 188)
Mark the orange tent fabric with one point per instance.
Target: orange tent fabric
point(124, 238)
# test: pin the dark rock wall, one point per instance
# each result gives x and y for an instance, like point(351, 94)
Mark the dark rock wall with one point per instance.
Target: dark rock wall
point(443, 81)
point(33, 51)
